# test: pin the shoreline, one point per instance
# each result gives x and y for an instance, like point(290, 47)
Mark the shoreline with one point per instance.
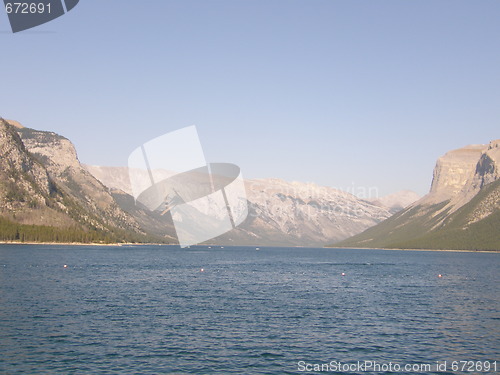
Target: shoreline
point(78, 243)
point(397, 249)
point(120, 244)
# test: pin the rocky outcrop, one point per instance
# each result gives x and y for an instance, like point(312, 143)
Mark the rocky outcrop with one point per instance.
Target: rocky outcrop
point(461, 211)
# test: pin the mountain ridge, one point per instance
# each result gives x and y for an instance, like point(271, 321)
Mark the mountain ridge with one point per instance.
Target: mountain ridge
point(281, 212)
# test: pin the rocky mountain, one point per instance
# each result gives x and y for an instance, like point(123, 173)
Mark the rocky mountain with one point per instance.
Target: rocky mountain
point(280, 212)
point(43, 184)
point(461, 211)
point(25, 184)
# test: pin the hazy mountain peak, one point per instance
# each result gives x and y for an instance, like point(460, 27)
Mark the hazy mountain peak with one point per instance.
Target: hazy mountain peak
point(396, 201)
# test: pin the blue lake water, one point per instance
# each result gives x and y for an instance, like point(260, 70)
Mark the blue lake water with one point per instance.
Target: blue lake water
point(163, 310)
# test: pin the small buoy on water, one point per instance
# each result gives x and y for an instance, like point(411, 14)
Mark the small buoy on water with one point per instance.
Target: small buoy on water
point(202, 270)
point(343, 274)
point(440, 275)
point(65, 266)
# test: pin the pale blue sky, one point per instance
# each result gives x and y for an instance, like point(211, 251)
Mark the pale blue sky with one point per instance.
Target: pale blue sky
point(340, 93)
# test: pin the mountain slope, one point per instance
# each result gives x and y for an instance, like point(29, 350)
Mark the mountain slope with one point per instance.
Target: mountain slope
point(474, 226)
point(58, 155)
point(461, 211)
point(45, 194)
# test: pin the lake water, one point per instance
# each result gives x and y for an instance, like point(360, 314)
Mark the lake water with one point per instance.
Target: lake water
point(163, 310)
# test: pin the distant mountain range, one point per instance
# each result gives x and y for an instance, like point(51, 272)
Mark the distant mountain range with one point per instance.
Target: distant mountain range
point(461, 211)
point(47, 195)
point(280, 212)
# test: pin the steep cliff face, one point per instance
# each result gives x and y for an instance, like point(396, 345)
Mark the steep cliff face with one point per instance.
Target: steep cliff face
point(460, 174)
point(452, 172)
point(461, 211)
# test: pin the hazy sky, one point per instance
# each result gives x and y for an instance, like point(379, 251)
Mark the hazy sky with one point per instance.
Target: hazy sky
point(340, 93)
